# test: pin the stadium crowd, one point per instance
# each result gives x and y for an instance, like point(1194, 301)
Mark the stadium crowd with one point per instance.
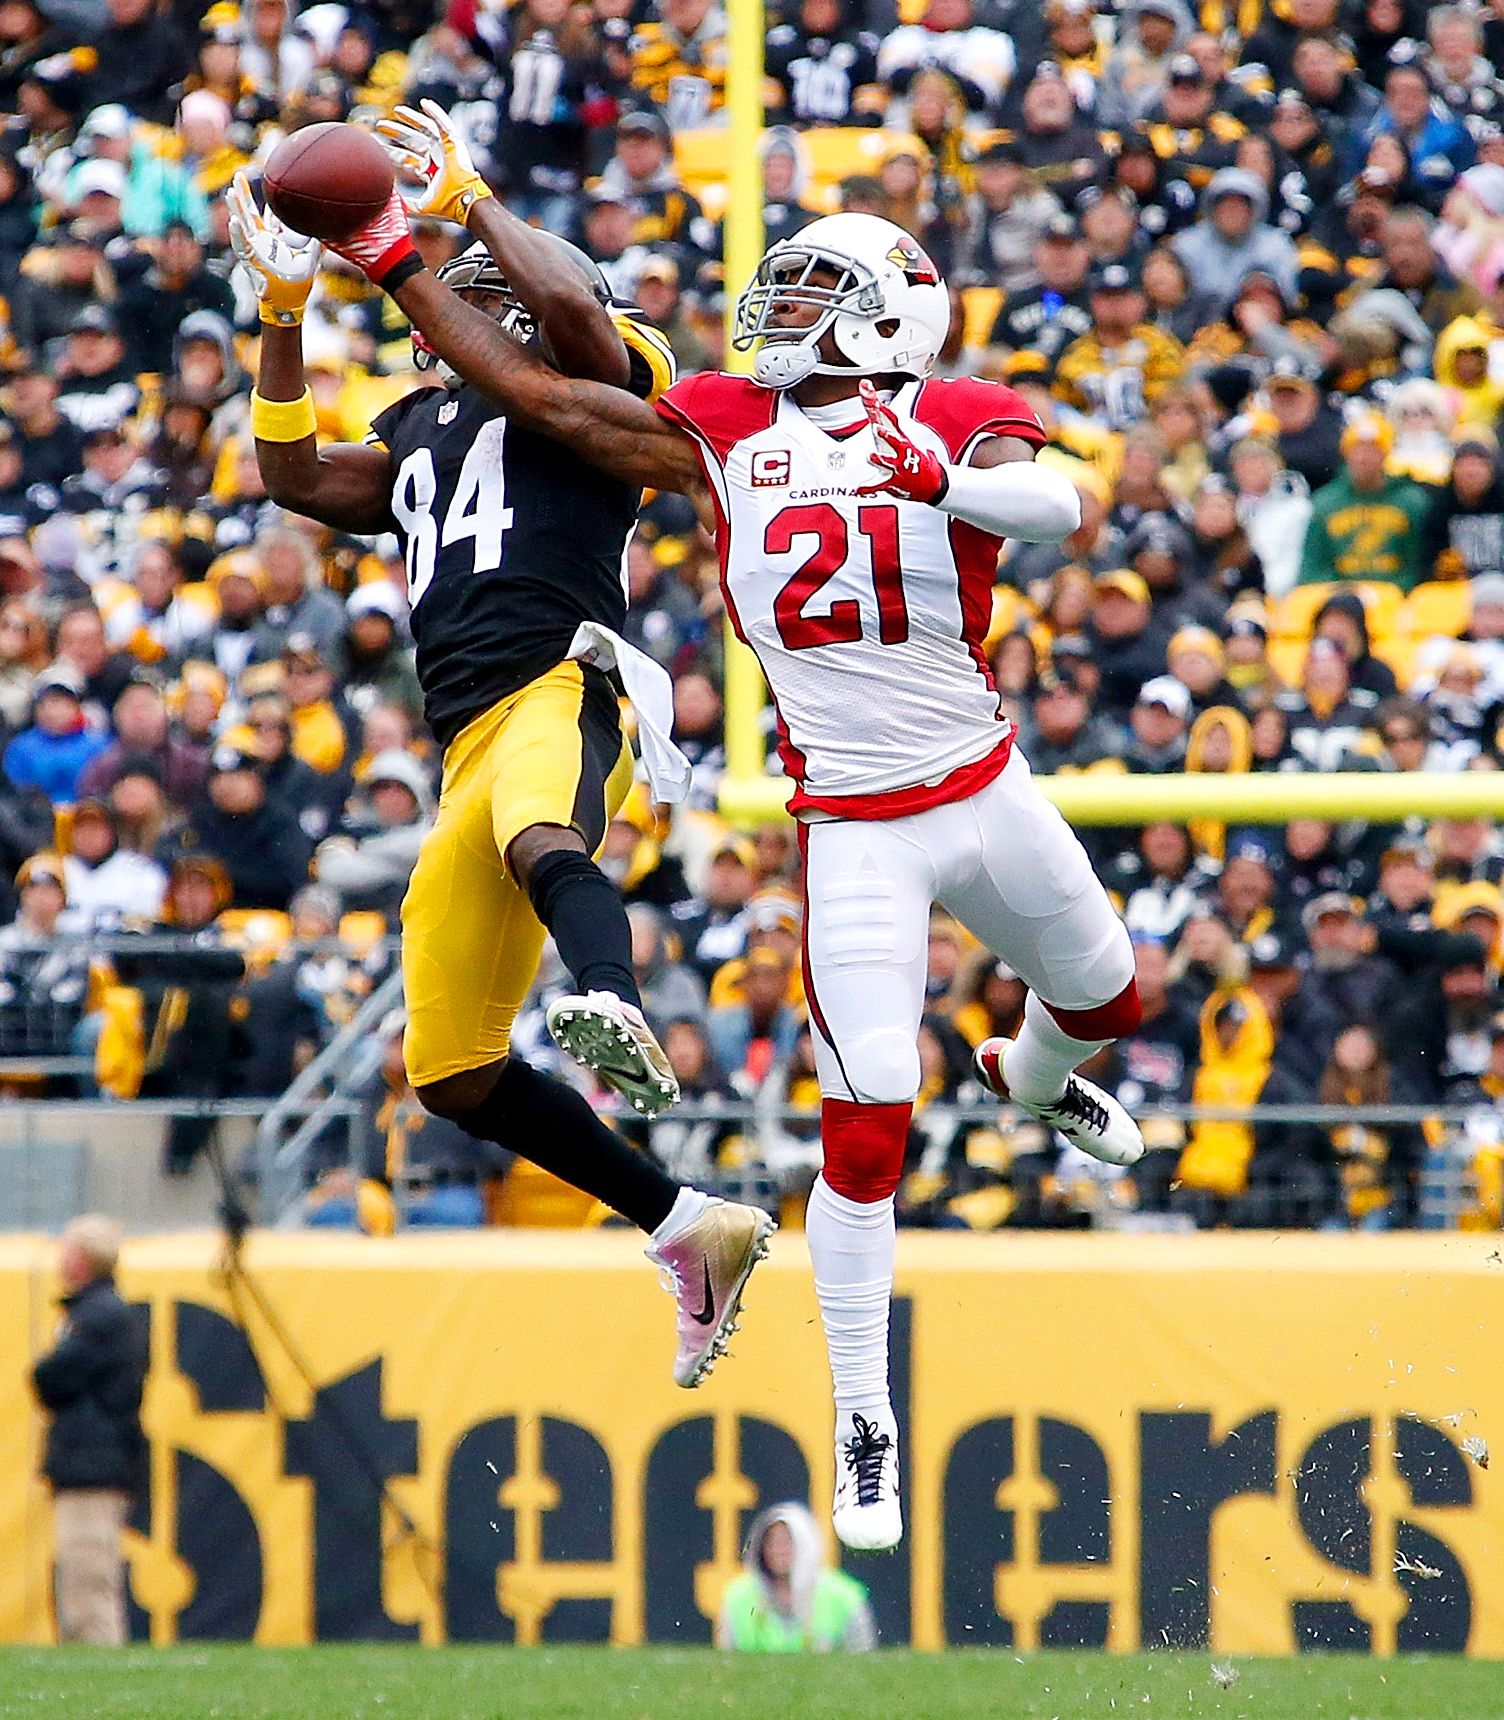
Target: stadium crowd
point(1243, 258)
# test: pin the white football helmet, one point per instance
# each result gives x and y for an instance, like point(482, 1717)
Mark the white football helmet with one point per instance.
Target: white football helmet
point(887, 310)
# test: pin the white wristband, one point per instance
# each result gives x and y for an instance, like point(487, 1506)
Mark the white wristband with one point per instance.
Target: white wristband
point(1018, 499)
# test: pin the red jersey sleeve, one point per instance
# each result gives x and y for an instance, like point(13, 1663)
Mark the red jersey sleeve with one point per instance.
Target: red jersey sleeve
point(965, 409)
point(718, 409)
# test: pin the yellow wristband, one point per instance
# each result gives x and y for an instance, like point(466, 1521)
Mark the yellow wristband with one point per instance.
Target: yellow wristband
point(287, 317)
point(283, 420)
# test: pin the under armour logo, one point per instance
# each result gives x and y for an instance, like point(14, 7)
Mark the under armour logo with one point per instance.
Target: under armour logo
point(911, 460)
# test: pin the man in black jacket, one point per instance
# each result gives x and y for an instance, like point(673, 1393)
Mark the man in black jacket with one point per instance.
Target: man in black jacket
point(95, 1460)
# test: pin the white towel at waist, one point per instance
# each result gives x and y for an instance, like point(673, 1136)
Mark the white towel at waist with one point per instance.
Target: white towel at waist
point(652, 694)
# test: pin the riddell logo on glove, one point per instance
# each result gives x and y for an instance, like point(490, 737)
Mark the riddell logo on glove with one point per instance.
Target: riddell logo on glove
point(771, 467)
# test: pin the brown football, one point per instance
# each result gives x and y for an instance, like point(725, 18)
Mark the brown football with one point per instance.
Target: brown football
point(328, 180)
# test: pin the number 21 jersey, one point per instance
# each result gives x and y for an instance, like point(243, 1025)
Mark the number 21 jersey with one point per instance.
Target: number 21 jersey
point(867, 613)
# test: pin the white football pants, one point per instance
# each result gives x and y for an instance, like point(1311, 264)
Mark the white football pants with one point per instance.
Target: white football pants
point(1005, 864)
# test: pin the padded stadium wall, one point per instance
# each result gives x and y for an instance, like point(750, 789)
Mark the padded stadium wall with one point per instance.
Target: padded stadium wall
point(1264, 1444)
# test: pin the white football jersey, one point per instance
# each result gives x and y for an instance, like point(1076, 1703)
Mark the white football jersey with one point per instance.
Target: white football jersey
point(867, 613)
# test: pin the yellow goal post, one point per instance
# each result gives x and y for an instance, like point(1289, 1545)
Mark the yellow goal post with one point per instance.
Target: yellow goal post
point(744, 689)
point(1383, 797)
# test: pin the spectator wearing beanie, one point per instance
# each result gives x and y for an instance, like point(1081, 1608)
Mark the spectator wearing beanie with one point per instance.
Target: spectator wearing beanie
point(106, 883)
point(1231, 240)
point(1464, 534)
point(1366, 524)
point(256, 840)
point(1344, 620)
point(1118, 369)
point(51, 754)
point(373, 662)
point(369, 861)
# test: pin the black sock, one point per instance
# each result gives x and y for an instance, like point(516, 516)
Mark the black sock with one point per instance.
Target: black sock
point(579, 905)
point(541, 1119)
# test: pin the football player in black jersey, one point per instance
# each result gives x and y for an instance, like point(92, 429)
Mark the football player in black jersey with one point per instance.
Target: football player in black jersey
point(509, 546)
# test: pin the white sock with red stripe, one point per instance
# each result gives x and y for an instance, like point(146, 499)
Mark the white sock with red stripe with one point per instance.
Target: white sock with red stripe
point(851, 1243)
point(1044, 1056)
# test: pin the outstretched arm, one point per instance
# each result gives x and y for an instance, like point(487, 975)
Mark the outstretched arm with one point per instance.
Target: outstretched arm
point(344, 486)
point(577, 329)
point(607, 426)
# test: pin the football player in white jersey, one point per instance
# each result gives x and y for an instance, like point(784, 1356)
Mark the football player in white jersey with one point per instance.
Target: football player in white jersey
point(859, 508)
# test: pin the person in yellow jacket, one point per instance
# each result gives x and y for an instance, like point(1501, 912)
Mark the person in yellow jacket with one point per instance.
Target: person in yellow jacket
point(1237, 1046)
point(321, 735)
point(1221, 743)
point(1461, 366)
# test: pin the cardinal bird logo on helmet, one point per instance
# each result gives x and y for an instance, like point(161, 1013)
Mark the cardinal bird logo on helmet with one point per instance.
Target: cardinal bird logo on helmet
point(917, 269)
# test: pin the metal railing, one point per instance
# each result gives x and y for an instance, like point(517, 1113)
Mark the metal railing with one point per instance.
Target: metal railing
point(319, 1096)
point(56, 1156)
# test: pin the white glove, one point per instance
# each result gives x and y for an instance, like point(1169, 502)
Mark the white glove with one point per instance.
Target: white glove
point(281, 265)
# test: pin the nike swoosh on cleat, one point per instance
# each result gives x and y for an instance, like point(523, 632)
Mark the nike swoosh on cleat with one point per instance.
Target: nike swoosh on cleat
point(707, 1313)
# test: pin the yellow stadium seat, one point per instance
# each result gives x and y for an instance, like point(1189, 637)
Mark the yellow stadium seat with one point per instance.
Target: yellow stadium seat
point(1295, 614)
point(1383, 604)
point(1399, 651)
point(529, 1198)
point(361, 930)
point(702, 156)
point(260, 932)
point(703, 159)
point(981, 307)
point(1441, 606)
point(1010, 611)
point(1287, 658)
point(836, 152)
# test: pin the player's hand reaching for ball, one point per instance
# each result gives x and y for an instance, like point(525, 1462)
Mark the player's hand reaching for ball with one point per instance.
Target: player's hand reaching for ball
point(381, 245)
point(912, 472)
point(427, 147)
point(281, 265)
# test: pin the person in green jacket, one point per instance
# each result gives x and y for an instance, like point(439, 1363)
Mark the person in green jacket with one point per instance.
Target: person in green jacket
point(1367, 524)
point(786, 1601)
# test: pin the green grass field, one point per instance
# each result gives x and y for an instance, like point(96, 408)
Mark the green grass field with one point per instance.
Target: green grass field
point(384, 1683)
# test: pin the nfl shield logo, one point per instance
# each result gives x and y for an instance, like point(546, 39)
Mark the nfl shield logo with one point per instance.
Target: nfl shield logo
point(448, 411)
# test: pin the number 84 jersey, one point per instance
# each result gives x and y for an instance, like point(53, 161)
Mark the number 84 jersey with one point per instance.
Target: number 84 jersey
point(867, 613)
point(510, 541)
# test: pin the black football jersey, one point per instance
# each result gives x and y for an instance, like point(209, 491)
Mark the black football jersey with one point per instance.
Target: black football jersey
point(510, 540)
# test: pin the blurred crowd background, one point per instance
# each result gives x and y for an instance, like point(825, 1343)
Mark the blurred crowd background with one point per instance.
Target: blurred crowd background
point(1243, 258)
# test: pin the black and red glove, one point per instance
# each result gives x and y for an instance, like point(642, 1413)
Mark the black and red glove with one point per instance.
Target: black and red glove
point(383, 249)
point(912, 472)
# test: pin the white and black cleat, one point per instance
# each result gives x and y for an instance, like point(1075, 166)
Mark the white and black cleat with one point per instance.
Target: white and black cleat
point(1084, 1114)
point(867, 1512)
point(610, 1036)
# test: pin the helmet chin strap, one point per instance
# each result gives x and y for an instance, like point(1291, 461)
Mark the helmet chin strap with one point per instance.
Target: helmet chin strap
point(784, 363)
